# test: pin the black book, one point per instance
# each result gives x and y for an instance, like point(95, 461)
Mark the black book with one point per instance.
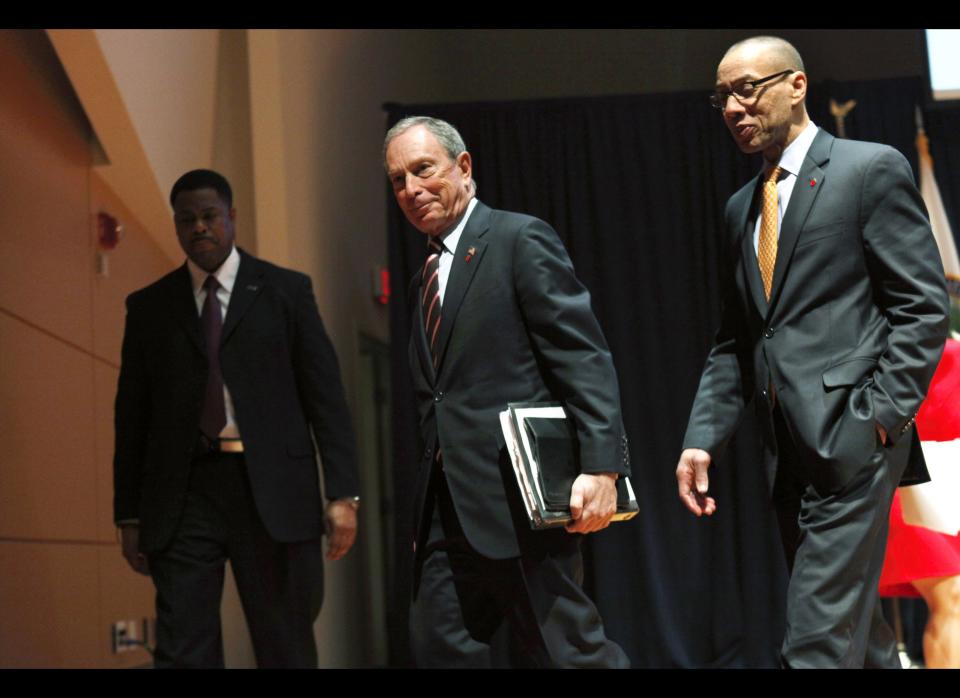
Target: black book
point(545, 453)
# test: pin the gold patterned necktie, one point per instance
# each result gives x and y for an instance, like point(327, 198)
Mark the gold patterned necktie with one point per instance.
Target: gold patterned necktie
point(767, 246)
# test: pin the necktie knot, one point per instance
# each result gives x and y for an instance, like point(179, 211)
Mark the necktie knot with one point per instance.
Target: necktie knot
point(774, 175)
point(432, 263)
point(211, 284)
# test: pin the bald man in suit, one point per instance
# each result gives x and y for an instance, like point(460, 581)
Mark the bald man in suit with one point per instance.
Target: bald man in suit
point(834, 317)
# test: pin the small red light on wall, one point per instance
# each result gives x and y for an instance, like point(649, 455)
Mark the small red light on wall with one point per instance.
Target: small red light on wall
point(381, 285)
point(109, 231)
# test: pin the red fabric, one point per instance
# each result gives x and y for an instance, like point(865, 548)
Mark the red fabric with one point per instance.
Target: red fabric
point(914, 552)
point(939, 416)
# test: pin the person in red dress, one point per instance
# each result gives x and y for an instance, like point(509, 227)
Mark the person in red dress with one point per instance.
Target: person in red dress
point(920, 561)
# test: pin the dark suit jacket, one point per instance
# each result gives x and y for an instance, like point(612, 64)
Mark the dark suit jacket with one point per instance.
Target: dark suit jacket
point(516, 326)
point(856, 321)
point(283, 377)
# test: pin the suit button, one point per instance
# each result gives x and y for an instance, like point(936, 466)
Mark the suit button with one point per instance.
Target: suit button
point(438, 397)
point(768, 333)
point(764, 393)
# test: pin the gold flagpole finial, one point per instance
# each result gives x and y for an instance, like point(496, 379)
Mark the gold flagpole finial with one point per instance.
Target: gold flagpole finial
point(840, 112)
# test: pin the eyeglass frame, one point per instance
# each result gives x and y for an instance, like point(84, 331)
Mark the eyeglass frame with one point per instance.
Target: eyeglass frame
point(719, 98)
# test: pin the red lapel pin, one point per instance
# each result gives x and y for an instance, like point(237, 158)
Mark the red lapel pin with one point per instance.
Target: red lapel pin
point(813, 182)
point(470, 252)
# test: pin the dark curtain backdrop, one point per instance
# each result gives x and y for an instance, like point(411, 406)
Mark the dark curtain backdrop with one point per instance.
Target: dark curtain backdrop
point(636, 187)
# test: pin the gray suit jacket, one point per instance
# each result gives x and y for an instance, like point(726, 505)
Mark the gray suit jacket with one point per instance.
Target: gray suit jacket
point(516, 326)
point(856, 321)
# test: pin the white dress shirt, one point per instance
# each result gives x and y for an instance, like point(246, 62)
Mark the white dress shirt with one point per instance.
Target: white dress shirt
point(450, 241)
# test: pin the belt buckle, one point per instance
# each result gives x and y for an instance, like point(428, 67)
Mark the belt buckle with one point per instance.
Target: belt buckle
point(230, 445)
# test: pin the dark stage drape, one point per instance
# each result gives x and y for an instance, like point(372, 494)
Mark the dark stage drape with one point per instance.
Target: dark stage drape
point(636, 188)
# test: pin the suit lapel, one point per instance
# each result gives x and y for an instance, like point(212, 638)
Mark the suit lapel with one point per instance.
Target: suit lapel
point(751, 267)
point(246, 288)
point(419, 335)
point(801, 201)
point(184, 307)
point(466, 260)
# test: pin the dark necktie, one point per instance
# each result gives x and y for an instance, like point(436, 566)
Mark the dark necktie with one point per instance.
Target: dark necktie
point(214, 415)
point(430, 299)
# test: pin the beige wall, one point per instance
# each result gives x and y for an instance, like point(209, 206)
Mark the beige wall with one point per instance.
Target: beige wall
point(168, 80)
point(62, 580)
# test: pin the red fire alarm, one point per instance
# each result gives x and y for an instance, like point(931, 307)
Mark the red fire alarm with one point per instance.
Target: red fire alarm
point(381, 285)
point(109, 231)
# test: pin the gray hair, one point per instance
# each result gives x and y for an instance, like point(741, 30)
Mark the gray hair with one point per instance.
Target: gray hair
point(446, 134)
point(788, 56)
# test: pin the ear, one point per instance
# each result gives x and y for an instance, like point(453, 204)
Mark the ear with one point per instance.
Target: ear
point(465, 166)
point(232, 213)
point(799, 84)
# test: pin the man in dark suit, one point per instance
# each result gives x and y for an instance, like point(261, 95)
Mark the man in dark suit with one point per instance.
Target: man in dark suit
point(227, 377)
point(500, 317)
point(834, 317)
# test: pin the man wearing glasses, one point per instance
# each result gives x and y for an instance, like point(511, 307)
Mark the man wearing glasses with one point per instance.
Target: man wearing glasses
point(833, 320)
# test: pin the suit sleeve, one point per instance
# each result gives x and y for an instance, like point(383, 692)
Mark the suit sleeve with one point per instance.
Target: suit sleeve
point(908, 285)
point(570, 346)
point(131, 420)
point(726, 384)
point(322, 396)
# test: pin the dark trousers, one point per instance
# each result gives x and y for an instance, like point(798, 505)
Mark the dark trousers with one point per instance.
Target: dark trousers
point(834, 545)
point(474, 612)
point(280, 584)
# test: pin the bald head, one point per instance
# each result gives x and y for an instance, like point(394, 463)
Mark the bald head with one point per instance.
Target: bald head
point(761, 89)
point(780, 53)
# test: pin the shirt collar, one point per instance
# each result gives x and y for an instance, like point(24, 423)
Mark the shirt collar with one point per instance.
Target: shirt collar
point(794, 154)
point(451, 239)
point(226, 273)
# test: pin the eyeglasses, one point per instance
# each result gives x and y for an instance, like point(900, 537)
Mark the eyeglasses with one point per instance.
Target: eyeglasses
point(746, 93)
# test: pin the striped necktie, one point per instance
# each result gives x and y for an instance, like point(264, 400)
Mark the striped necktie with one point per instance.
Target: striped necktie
point(430, 298)
point(767, 245)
